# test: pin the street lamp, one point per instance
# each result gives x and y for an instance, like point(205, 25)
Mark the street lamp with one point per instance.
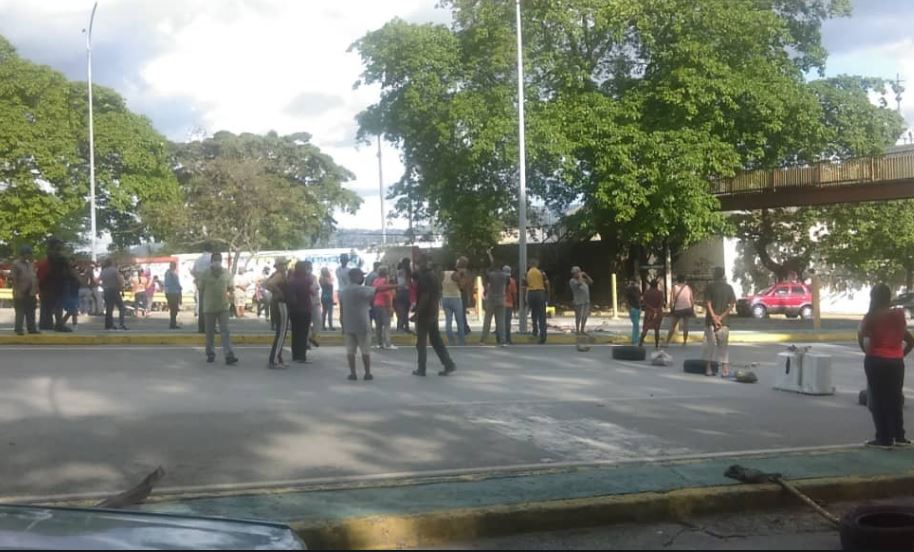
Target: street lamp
point(522, 199)
point(91, 134)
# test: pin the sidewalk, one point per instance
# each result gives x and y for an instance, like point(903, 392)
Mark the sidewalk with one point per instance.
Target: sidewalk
point(421, 511)
point(256, 331)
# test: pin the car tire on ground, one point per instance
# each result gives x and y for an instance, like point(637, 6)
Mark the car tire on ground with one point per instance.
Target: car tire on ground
point(759, 311)
point(806, 312)
point(881, 527)
point(697, 366)
point(629, 352)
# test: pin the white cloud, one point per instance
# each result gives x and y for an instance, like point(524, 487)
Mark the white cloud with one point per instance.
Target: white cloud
point(237, 65)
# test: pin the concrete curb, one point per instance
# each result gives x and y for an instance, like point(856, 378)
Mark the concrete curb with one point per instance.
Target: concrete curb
point(386, 532)
point(126, 338)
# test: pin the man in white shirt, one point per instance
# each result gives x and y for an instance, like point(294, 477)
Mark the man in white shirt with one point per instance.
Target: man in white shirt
point(201, 265)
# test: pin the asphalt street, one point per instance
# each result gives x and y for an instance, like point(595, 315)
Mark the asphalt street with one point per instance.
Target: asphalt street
point(95, 419)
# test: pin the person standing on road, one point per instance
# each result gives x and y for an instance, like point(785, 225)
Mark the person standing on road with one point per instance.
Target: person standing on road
point(497, 287)
point(881, 334)
point(452, 303)
point(537, 294)
point(653, 302)
point(86, 287)
point(580, 291)
point(466, 284)
point(315, 288)
point(70, 294)
point(720, 300)
point(49, 272)
point(326, 283)
point(401, 301)
point(217, 288)
point(356, 299)
point(278, 286)
point(299, 303)
point(112, 286)
point(262, 295)
point(342, 280)
point(383, 307)
point(510, 302)
point(25, 288)
point(428, 296)
point(139, 283)
point(173, 293)
point(201, 266)
point(683, 309)
point(240, 294)
point(633, 298)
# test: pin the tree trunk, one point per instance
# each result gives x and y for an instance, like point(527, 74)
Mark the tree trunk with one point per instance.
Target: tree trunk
point(908, 278)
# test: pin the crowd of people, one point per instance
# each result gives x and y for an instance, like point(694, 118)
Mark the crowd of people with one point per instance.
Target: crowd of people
point(296, 301)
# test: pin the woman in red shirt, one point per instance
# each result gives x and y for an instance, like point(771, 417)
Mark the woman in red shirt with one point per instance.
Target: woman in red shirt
point(881, 335)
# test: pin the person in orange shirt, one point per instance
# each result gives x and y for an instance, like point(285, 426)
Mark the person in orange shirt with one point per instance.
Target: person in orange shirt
point(510, 302)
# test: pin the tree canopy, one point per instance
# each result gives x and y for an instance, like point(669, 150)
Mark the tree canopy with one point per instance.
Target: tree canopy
point(250, 192)
point(632, 105)
point(44, 159)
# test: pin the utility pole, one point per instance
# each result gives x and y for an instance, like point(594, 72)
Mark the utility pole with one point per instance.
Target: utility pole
point(381, 192)
point(522, 187)
point(92, 229)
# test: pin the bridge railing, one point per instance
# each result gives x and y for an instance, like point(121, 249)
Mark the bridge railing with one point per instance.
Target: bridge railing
point(859, 170)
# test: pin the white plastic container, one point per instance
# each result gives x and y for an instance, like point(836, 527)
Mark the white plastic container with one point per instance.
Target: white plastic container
point(790, 371)
point(816, 374)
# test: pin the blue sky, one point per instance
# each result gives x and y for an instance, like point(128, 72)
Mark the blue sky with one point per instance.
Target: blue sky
point(198, 66)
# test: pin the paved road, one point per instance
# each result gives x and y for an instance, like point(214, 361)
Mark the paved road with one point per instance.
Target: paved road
point(158, 323)
point(91, 419)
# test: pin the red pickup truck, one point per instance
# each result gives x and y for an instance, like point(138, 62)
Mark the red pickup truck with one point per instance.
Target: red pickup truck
point(788, 298)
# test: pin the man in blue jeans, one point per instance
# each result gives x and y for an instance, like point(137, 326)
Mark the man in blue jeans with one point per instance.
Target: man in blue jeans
point(537, 295)
point(633, 298)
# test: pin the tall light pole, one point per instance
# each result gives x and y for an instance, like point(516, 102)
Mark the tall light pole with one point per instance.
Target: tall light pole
point(522, 188)
point(91, 134)
point(381, 192)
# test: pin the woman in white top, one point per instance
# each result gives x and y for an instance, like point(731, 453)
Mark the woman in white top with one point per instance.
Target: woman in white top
point(683, 309)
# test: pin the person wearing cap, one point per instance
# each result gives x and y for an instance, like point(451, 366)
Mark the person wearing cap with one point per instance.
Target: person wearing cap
point(496, 287)
point(217, 288)
point(510, 302)
point(355, 302)
point(25, 289)
point(580, 290)
point(278, 286)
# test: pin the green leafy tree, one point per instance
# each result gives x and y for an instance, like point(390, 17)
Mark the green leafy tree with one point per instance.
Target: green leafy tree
point(633, 105)
point(791, 240)
point(250, 192)
point(44, 159)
